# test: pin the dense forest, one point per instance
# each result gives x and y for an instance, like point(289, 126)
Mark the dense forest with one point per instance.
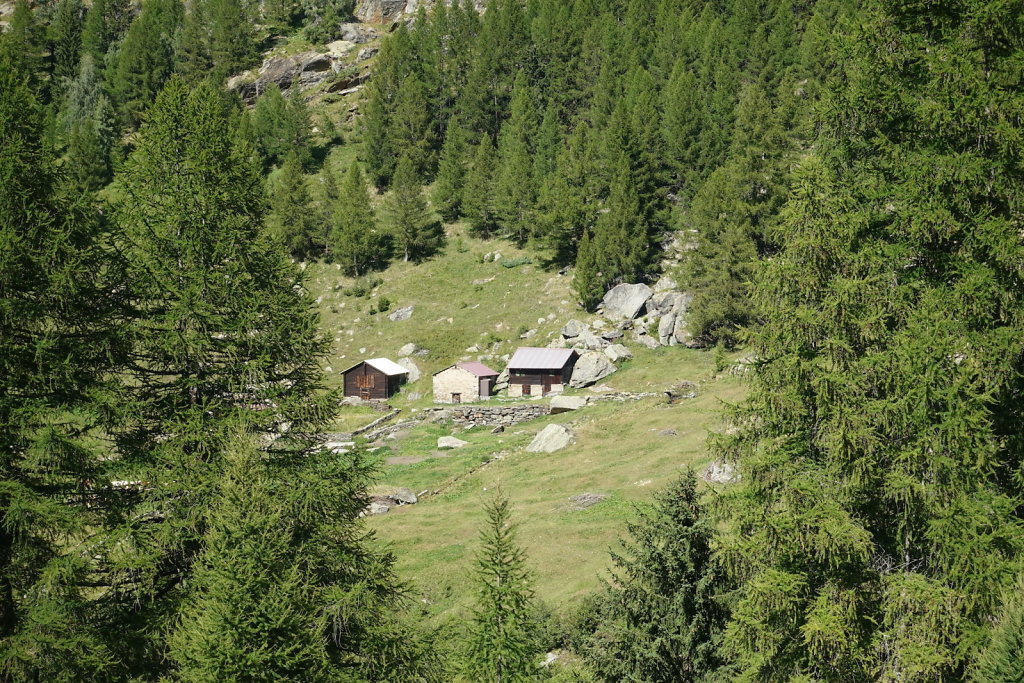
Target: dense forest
point(847, 180)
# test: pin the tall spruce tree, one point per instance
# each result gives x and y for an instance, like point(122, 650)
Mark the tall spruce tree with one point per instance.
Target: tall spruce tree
point(664, 620)
point(477, 195)
point(56, 345)
point(877, 523)
point(291, 219)
point(145, 59)
point(414, 232)
point(501, 645)
point(451, 175)
point(1002, 660)
point(513, 192)
point(221, 332)
point(65, 39)
point(354, 240)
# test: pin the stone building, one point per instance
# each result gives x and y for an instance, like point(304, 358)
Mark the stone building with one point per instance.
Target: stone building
point(535, 371)
point(464, 382)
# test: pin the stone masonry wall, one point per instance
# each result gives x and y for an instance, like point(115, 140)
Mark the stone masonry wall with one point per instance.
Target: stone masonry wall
point(491, 416)
point(456, 381)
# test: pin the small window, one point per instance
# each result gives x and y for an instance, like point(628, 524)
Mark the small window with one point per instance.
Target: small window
point(456, 398)
point(526, 390)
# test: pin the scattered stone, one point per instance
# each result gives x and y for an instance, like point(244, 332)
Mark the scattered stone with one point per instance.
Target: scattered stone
point(612, 335)
point(721, 472)
point(528, 334)
point(666, 329)
point(584, 500)
point(549, 659)
point(405, 496)
point(618, 352)
point(376, 508)
point(408, 349)
point(379, 11)
point(564, 404)
point(626, 301)
point(498, 430)
point(501, 384)
point(366, 53)
point(601, 389)
point(451, 442)
point(550, 439)
point(410, 365)
point(573, 329)
point(415, 396)
point(401, 314)
point(588, 340)
point(592, 367)
point(483, 281)
point(646, 340)
point(668, 432)
point(355, 33)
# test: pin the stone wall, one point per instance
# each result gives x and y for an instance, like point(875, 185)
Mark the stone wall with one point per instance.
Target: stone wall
point(491, 416)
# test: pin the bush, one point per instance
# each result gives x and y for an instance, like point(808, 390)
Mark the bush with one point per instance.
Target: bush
point(515, 262)
point(383, 304)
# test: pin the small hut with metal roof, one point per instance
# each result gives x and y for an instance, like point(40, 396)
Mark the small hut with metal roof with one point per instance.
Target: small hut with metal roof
point(464, 382)
point(535, 371)
point(377, 378)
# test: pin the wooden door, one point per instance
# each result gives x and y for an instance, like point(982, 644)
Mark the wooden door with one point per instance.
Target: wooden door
point(526, 390)
point(365, 385)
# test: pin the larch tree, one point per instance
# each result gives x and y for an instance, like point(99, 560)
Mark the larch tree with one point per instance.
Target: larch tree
point(878, 521)
point(221, 331)
point(57, 344)
point(354, 240)
point(514, 194)
point(451, 175)
point(414, 232)
point(291, 219)
point(477, 197)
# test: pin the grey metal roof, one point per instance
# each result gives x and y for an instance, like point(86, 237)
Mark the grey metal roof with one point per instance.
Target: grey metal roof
point(534, 358)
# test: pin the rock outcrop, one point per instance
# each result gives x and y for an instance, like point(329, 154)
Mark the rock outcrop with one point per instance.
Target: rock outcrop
point(308, 69)
point(625, 302)
point(450, 442)
point(565, 404)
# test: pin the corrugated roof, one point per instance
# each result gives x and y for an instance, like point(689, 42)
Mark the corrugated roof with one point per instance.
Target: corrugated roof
point(388, 367)
point(478, 369)
point(533, 358)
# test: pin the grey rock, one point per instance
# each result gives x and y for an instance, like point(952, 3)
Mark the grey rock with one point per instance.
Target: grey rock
point(626, 301)
point(646, 340)
point(376, 508)
point(592, 367)
point(618, 352)
point(451, 442)
point(582, 501)
point(574, 328)
point(666, 328)
point(405, 496)
point(588, 340)
point(550, 439)
point(354, 33)
point(309, 69)
point(415, 396)
point(665, 283)
point(527, 334)
point(721, 472)
point(401, 314)
point(612, 335)
point(410, 365)
point(664, 302)
point(668, 432)
point(408, 349)
point(565, 404)
point(380, 11)
point(366, 53)
point(501, 383)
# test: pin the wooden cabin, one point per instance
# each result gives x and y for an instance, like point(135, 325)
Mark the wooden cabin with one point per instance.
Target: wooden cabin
point(534, 371)
point(374, 379)
point(464, 382)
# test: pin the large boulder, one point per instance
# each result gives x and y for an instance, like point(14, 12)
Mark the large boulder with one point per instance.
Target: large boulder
point(501, 384)
point(405, 496)
point(410, 365)
point(408, 350)
point(721, 472)
point(574, 328)
point(591, 368)
point(665, 284)
point(450, 442)
point(565, 404)
point(617, 352)
point(380, 11)
point(589, 340)
point(646, 340)
point(551, 439)
point(626, 301)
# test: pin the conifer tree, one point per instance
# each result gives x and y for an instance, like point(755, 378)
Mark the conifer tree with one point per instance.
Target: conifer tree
point(1002, 661)
point(513, 192)
point(57, 342)
point(105, 23)
point(451, 175)
point(415, 234)
point(501, 643)
point(377, 149)
point(354, 241)
point(568, 202)
point(410, 130)
point(664, 622)
point(66, 39)
point(281, 125)
point(89, 126)
point(232, 43)
point(682, 122)
point(291, 220)
point(622, 233)
point(221, 331)
point(878, 433)
point(588, 281)
point(477, 200)
point(145, 59)
point(23, 43)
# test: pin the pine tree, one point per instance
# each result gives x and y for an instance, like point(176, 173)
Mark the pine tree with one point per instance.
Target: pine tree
point(664, 622)
point(281, 125)
point(232, 43)
point(90, 129)
point(377, 149)
point(682, 122)
point(221, 331)
point(588, 281)
point(877, 522)
point(410, 131)
point(513, 192)
point(291, 220)
point(22, 42)
point(1002, 661)
point(57, 342)
point(415, 234)
point(622, 233)
point(106, 22)
point(451, 175)
point(501, 645)
point(66, 39)
point(568, 202)
point(354, 240)
point(477, 201)
point(145, 58)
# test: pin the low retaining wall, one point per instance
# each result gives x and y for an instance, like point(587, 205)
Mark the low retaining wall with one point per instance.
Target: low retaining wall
point(491, 416)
